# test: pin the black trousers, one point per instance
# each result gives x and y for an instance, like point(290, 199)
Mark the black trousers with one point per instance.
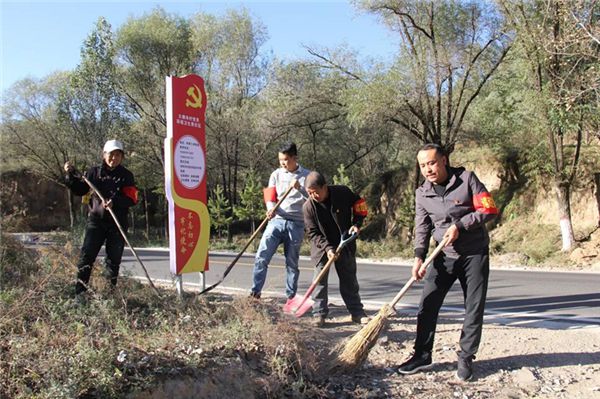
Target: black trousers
point(97, 232)
point(473, 272)
point(345, 267)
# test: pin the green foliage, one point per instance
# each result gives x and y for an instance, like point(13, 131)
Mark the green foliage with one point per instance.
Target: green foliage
point(32, 133)
point(154, 46)
point(341, 178)
point(90, 104)
point(406, 208)
point(353, 119)
point(229, 57)
point(447, 52)
point(147, 49)
point(251, 205)
point(220, 211)
point(563, 61)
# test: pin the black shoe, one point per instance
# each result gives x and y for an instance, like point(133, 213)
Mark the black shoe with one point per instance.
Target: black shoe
point(418, 362)
point(255, 295)
point(319, 321)
point(465, 368)
point(360, 318)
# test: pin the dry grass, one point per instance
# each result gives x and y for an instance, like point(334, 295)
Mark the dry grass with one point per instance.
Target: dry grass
point(129, 341)
point(537, 242)
point(356, 350)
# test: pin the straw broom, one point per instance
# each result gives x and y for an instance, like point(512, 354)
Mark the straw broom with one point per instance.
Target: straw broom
point(356, 350)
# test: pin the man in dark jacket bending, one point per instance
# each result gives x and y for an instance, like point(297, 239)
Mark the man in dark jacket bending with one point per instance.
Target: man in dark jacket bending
point(451, 204)
point(331, 211)
point(117, 186)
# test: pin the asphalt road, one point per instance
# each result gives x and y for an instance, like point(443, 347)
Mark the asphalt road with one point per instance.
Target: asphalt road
point(515, 297)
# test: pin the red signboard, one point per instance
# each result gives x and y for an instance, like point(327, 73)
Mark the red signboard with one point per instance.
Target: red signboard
point(185, 174)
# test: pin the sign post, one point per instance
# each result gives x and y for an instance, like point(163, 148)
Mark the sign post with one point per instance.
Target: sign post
point(185, 176)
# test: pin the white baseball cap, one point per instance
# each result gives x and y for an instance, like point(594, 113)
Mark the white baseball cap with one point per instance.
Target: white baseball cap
point(112, 145)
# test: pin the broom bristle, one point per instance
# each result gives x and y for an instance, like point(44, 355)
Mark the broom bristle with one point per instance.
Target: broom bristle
point(357, 348)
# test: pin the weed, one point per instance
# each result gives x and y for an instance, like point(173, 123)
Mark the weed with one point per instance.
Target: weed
point(385, 248)
point(129, 342)
point(536, 241)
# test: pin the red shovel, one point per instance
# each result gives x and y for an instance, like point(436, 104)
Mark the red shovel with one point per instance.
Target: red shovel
point(300, 305)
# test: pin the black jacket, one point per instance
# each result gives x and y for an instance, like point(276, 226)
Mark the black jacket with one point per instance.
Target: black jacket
point(347, 208)
point(117, 185)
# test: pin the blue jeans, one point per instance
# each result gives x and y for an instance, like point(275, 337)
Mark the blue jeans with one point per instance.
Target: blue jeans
point(278, 231)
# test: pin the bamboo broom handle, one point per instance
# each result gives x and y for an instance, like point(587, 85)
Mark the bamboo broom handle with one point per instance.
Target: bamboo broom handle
point(326, 268)
point(315, 282)
point(410, 282)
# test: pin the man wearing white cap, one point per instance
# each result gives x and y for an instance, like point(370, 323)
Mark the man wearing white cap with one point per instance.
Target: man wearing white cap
point(117, 186)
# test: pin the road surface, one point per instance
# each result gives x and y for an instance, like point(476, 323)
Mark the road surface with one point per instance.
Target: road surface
point(515, 297)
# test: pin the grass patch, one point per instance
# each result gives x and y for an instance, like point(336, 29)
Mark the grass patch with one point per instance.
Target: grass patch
point(384, 248)
point(537, 242)
point(131, 343)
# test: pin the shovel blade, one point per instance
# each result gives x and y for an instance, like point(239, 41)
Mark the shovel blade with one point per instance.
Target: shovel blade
point(304, 308)
point(296, 307)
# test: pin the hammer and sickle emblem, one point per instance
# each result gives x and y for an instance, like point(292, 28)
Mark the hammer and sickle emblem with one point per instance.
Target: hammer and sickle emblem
point(195, 100)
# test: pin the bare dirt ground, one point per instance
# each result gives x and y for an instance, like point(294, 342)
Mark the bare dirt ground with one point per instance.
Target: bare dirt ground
point(513, 362)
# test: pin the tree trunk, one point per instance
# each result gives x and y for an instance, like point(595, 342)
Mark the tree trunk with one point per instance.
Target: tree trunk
point(417, 180)
point(166, 219)
point(233, 201)
point(146, 214)
point(597, 185)
point(563, 196)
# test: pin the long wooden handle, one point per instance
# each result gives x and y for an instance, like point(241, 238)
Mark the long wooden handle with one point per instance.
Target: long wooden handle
point(265, 221)
point(325, 269)
point(410, 282)
point(252, 237)
point(316, 281)
point(93, 187)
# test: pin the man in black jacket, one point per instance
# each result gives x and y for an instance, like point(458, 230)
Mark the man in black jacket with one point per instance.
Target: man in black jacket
point(330, 212)
point(452, 205)
point(117, 186)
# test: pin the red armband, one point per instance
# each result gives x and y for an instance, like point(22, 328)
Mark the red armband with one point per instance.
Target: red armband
point(484, 203)
point(270, 194)
point(360, 208)
point(131, 192)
